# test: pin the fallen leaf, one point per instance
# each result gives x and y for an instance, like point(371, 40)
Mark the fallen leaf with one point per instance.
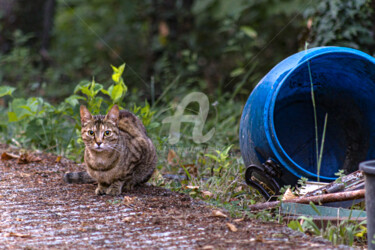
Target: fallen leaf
point(173, 158)
point(239, 220)
point(8, 156)
point(259, 238)
point(232, 227)
point(128, 200)
point(218, 213)
point(11, 234)
point(208, 247)
point(19, 219)
point(33, 158)
point(192, 187)
point(207, 194)
point(157, 178)
point(288, 195)
point(22, 159)
point(127, 219)
point(26, 158)
point(58, 159)
point(25, 175)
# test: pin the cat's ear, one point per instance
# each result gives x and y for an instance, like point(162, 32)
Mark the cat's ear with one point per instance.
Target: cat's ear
point(85, 115)
point(113, 114)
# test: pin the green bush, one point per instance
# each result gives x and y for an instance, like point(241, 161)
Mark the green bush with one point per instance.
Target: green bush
point(33, 122)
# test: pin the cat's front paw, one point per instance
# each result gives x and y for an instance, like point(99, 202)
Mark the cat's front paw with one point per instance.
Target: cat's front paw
point(114, 191)
point(115, 188)
point(100, 190)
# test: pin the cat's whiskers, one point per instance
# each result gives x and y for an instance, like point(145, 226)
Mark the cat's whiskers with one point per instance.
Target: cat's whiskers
point(116, 147)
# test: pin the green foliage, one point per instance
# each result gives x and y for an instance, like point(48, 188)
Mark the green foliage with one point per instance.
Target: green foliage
point(146, 114)
point(302, 181)
point(346, 232)
point(209, 44)
point(221, 159)
point(21, 68)
point(215, 176)
point(34, 122)
point(6, 90)
point(345, 23)
point(340, 174)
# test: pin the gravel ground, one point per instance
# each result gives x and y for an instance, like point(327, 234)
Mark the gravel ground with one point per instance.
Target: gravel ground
point(39, 211)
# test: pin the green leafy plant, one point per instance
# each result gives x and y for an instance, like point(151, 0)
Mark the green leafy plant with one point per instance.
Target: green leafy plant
point(221, 158)
point(34, 122)
point(91, 91)
point(345, 232)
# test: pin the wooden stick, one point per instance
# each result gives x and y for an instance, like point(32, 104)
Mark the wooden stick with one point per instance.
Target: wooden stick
point(324, 198)
point(338, 185)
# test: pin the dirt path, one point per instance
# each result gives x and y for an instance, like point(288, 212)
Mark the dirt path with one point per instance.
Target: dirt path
point(38, 210)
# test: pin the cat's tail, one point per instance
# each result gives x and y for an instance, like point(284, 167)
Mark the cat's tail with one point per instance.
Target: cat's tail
point(78, 178)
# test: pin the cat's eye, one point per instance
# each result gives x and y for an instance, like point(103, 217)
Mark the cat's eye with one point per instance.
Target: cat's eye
point(107, 133)
point(90, 132)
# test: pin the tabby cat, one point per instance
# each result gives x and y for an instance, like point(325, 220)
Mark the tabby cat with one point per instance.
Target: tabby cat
point(118, 152)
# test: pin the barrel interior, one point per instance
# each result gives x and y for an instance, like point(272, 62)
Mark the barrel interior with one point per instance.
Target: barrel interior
point(344, 89)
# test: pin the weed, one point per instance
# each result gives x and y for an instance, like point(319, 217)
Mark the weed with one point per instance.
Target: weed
point(346, 232)
point(319, 150)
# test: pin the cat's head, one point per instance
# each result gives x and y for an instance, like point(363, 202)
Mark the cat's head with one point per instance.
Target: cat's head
point(99, 132)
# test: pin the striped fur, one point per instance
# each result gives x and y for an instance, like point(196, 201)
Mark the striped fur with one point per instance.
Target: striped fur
point(118, 152)
point(78, 178)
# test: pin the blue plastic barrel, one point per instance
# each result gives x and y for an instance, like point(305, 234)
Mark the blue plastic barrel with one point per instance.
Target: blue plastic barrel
point(278, 125)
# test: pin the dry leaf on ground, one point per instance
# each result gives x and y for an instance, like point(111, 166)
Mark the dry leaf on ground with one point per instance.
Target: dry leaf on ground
point(128, 200)
point(173, 158)
point(127, 219)
point(11, 234)
point(192, 187)
point(232, 227)
point(207, 194)
point(157, 178)
point(239, 220)
point(8, 156)
point(218, 213)
point(58, 159)
point(288, 195)
point(26, 158)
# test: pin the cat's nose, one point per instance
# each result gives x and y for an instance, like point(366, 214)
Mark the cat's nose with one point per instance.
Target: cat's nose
point(99, 143)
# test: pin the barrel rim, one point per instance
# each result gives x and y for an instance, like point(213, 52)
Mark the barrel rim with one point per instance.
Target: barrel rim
point(269, 107)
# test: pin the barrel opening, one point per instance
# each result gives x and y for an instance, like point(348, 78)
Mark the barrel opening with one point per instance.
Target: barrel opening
point(344, 88)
